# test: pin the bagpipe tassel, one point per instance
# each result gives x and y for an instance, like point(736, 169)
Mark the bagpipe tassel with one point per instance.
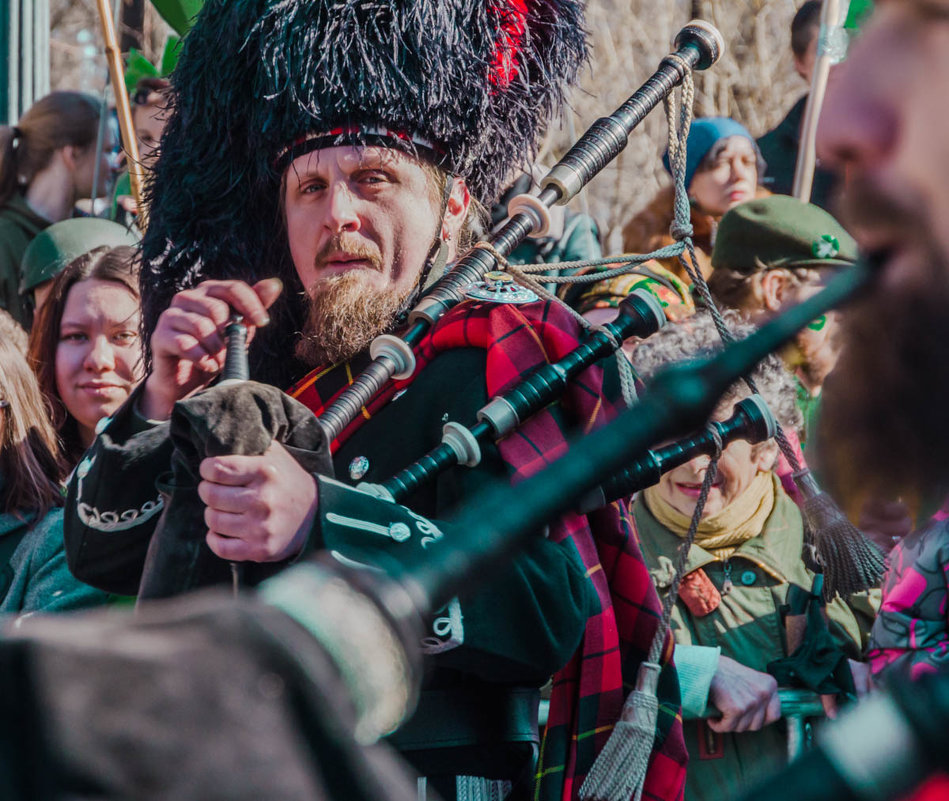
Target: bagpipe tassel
point(619, 771)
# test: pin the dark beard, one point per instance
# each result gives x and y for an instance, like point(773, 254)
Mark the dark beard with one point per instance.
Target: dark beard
point(345, 314)
point(884, 426)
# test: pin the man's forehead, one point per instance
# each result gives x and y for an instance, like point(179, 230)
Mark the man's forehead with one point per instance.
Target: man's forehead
point(352, 157)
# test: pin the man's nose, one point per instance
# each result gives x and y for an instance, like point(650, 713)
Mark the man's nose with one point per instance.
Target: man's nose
point(101, 355)
point(342, 214)
point(859, 121)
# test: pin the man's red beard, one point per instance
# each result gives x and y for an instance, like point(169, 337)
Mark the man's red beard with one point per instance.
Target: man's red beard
point(884, 425)
point(346, 312)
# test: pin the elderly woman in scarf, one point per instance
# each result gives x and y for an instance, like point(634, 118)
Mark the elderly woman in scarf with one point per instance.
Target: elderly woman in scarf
point(728, 620)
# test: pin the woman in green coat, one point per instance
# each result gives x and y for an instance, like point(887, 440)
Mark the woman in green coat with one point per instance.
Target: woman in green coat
point(729, 619)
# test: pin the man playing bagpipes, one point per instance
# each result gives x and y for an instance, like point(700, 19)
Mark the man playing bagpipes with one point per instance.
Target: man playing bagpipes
point(323, 162)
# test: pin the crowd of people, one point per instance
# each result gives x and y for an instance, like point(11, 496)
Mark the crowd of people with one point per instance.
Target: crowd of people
point(317, 213)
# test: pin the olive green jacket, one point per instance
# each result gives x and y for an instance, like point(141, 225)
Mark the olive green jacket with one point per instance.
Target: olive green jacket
point(747, 626)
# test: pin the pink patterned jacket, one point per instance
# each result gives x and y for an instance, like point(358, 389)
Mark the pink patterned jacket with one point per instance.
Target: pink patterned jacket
point(911, 631)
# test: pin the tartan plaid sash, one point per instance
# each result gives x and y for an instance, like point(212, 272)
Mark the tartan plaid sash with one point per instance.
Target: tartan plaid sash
point(588, 693)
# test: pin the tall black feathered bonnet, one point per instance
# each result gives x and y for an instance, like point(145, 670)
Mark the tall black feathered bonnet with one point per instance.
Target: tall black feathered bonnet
point(466, 83)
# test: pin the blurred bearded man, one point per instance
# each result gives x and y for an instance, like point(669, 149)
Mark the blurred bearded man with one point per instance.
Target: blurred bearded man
point(326, 201)
point(885, 426)
point(885, 408)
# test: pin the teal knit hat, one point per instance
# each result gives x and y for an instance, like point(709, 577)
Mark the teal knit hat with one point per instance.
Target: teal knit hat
point(780, 231)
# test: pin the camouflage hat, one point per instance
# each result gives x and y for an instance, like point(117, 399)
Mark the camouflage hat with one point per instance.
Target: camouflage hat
point(56, 246)
point(780, 231)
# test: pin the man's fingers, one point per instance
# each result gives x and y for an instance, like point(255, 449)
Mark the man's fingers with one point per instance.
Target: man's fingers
point(232, 471)
point(829, 703)
point(200, 302)
point(237, 500)
point(268, 291)
point(232, 549)
point(198, 326)
point(241, 298)
point(229, 524)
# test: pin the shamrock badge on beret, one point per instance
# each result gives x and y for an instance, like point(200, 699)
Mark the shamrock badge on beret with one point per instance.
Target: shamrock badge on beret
point(827, 247)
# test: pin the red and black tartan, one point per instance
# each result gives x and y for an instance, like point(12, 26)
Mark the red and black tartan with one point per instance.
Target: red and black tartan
point(588, 693)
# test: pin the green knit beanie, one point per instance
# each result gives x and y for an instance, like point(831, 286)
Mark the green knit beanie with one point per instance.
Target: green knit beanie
point(780, 231)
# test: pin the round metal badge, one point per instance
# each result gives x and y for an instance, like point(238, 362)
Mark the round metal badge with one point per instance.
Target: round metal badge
point(358, 468)
point(498, 287)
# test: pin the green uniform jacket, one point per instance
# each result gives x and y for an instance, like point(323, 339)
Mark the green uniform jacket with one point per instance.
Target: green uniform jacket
point(18, 225)
point(35, 577)
point(747, 626)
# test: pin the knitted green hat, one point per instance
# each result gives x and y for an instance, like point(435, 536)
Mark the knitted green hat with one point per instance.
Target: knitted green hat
point(56, 246)
point(780, 231)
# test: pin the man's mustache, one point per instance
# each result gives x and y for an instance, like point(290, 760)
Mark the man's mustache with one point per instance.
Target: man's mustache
point(351, 248)
point(883, 210)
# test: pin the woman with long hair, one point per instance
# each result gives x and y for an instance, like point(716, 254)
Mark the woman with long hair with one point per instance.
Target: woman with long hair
point(34, 576)
point(85, 345)
point(47, 162)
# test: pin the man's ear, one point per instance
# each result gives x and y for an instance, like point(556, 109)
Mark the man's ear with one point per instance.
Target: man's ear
point(457, 208)
point(774, 289)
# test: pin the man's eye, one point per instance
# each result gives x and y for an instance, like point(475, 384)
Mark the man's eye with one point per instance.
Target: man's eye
point(310, 188)
point(375, 177)
point(72, 336)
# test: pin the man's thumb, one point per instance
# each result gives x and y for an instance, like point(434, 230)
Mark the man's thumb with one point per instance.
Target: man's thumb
point(268, 291)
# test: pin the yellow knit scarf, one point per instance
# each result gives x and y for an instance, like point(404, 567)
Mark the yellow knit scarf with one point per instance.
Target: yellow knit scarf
point(723, 533)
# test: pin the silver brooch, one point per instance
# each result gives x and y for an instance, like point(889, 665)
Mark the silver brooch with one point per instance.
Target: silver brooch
point(500, 287)
point(358, 468)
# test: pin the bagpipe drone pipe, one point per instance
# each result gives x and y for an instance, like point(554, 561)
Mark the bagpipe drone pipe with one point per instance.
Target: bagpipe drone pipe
point(698, 46)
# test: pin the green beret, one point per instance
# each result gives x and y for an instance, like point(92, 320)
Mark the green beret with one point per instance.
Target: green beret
point(55, 247)
point(780, 231)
